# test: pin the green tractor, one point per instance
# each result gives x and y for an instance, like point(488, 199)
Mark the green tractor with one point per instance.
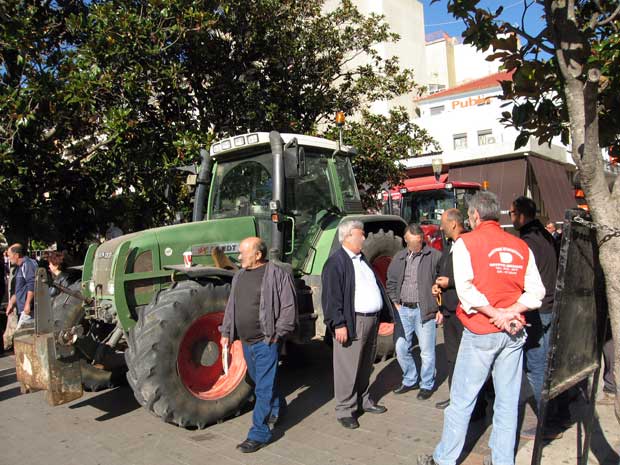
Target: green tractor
point(150, 315)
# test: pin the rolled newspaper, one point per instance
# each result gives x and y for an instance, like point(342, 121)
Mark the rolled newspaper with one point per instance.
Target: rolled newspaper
point(225, 358)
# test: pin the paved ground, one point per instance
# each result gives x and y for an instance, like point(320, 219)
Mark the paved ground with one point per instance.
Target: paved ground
point(109, 428)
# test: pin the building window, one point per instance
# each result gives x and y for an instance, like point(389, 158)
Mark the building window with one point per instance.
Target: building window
point(434, 88)
point(437, 110)
point(485, 137)
point(460, 141)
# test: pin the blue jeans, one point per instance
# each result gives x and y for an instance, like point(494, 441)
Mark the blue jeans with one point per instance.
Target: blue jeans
point(479, 354)
point(262, 361)
point(426, 332)
point(535, 351)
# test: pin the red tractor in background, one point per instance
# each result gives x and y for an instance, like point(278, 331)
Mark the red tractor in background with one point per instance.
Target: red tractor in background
point(423, 200)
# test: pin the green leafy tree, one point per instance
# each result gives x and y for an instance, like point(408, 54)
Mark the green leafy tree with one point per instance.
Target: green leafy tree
point(100, 101)
point(566, 83)
point(382, 142)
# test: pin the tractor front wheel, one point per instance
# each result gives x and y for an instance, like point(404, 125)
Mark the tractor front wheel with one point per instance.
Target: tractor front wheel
point(175, 358)
point(379, 248)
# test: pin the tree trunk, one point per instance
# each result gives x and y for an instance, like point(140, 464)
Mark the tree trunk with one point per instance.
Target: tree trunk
point(581, 102)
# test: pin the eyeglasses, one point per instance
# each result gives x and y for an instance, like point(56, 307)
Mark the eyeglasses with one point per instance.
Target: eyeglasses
point(512, 212)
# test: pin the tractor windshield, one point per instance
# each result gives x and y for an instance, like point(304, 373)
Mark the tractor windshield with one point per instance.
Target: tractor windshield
point(244, 188)
point(426, 207)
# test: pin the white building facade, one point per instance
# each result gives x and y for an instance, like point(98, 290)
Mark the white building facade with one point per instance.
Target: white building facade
point(406, 18)
point(477, 147)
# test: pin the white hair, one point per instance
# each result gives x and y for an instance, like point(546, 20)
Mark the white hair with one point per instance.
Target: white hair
point(345, 228)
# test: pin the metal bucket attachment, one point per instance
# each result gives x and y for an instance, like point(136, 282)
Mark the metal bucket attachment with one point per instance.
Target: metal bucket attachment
point(38, 368)
point(40, 362)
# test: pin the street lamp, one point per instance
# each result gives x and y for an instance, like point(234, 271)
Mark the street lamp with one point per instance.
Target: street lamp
point(437, 164)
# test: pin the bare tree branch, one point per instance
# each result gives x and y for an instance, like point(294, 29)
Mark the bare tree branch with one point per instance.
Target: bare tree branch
point(91, 152)
point(538, 40)
point(610, 18)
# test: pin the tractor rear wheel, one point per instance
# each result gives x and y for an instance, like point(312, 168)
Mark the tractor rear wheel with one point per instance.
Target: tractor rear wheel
point(379, 248)
point(175, 359)
point(68, 311)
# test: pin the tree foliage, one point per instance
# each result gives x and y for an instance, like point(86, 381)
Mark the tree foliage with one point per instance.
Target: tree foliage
point(566, 83)
point(382, 143)
point(101, 100)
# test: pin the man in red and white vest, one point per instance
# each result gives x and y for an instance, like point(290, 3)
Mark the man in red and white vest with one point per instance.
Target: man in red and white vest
point(496, 281)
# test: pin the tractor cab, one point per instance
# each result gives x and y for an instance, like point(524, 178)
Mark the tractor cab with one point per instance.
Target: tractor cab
point(423, 201)
point(286, 182)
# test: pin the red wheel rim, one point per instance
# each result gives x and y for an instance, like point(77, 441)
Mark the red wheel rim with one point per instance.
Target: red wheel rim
point(381, 265)
point(386, 329)
point(204, 377)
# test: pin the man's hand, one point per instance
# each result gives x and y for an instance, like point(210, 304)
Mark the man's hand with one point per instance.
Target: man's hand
point(9, 310)
point(435, 290)
point(502, 318)
point(223, 341)
point(442, 281)
point(439, 318)
point(514, 326)
point(27, 310)
point(397, 306)
point(342, 335)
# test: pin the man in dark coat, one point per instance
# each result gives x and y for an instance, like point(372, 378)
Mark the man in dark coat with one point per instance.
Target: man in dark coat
point(543, 246)
point(452, 226)
point(261, 311)
point(410, 279)
point(353, 302)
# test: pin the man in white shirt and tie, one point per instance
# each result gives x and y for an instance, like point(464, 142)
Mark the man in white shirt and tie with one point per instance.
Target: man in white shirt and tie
point(353, 301)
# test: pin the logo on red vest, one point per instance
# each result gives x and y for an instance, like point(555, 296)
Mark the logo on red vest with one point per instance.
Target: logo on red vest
point(506, 261)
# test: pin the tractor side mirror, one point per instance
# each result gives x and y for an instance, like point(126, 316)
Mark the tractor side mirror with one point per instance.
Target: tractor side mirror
point(294, 162)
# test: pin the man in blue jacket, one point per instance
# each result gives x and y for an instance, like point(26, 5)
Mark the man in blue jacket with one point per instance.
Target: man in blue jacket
point(25, 271)
point(353, 301)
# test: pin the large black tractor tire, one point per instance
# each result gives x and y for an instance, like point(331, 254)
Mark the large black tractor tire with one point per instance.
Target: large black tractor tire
point(379, 248)
point(175, 361)
point(68, 311)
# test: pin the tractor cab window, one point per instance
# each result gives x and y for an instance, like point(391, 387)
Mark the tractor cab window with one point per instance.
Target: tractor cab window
point(309, 197)
point(462, 199)
point(244, 188)
point(426, 207)
point(348, 187)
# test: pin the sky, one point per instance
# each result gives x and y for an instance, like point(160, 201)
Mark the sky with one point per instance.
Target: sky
point(437, 18)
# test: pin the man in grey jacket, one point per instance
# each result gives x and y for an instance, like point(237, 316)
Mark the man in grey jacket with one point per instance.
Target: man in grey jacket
point(261, 312)
point(410, 279)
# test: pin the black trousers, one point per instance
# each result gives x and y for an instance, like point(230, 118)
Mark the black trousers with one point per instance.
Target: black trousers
point(608, 358)
point(452, 334)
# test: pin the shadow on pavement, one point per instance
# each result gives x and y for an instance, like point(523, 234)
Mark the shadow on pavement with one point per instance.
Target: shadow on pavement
point(388, 379)
point(9, 393)
point(600, 447)
point(7, 377)
point(114, 402)
point(307, 371)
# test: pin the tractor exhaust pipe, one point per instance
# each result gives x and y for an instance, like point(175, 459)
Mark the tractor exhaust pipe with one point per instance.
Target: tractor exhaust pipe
point(277, 235)
point(202, 186)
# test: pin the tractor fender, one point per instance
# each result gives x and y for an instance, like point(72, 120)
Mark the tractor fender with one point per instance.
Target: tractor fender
point(200, 272)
